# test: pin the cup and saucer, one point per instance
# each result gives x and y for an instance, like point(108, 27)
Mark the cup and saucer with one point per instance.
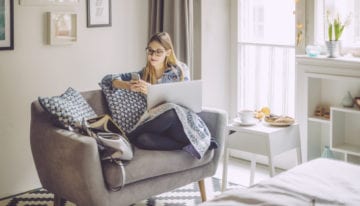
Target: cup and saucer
point(246, 118)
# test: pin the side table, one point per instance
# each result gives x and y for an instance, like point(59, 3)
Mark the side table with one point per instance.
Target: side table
point(260, 139)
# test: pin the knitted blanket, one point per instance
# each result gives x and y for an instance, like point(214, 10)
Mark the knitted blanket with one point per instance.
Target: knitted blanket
point(194, 127)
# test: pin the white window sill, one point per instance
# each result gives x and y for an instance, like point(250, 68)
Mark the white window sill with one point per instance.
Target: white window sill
point(322, 60)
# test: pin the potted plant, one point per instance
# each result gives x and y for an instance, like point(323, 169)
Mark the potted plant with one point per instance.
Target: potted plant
point(335, 29)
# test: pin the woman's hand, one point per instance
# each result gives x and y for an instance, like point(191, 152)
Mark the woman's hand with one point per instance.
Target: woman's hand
point(139, 86)
point(119, 84)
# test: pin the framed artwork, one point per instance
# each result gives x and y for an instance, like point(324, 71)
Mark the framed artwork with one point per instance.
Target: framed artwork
point(62, 28)
point(48, 2)
point(6, 24)
point(98, 13)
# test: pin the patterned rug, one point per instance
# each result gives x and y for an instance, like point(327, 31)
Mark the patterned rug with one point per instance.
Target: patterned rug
point(185, 196)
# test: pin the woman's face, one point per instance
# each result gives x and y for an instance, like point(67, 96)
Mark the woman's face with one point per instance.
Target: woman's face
point(156, 54)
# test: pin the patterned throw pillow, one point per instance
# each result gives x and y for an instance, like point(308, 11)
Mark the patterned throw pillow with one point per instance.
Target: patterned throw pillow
point(67, 108)
point(126, 106)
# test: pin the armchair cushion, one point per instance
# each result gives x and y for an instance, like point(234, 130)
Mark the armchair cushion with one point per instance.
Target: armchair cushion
point(67, 108)
point(150, 163)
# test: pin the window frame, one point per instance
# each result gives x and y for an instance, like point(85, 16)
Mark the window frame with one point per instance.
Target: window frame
point(319, 24)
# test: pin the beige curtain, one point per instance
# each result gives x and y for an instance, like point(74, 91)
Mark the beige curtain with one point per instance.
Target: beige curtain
point(174, 17)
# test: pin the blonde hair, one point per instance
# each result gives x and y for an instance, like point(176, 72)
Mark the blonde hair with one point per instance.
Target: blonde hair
point(164, 39)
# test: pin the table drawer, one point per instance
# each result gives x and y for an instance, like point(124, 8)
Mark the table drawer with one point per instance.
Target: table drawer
point(248, 142)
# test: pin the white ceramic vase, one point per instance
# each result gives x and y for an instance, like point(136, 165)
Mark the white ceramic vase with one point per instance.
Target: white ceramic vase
point(348, 100)
point(327, 153)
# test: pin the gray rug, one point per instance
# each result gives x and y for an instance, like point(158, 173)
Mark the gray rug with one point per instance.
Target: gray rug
point(184, 196)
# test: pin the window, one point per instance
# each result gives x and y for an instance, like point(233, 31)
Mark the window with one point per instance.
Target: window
point(351, 34)
point(266, 55)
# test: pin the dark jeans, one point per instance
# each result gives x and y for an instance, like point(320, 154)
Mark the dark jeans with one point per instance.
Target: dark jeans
point(165, 132)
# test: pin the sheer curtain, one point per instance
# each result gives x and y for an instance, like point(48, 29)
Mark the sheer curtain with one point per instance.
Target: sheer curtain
point(266, 55)
point(174, 17)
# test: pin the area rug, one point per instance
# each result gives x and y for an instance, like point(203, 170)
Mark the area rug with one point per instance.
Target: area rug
point(185, 196)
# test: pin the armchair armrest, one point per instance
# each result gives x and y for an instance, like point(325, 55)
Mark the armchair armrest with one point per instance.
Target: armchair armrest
point(216, 120)
point(68, 163)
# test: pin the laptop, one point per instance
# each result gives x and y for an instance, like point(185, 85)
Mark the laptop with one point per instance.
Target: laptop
point(187, 94)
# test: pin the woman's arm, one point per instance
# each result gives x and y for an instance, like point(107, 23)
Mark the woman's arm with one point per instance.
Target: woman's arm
point(120, 84)
point(118, 81)
point(186, 71)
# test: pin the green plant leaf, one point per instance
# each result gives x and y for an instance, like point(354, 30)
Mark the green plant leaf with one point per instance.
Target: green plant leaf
point(330, 29)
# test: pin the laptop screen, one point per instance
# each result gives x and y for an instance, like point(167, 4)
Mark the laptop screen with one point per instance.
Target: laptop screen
point(187, 94)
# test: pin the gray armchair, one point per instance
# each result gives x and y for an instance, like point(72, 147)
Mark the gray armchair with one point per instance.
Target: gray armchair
point(68, 163)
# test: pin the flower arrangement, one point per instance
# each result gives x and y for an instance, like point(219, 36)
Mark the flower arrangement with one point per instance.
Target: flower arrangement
point(336, 26)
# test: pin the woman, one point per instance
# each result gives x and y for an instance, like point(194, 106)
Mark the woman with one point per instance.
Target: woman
point(165, 132)
point(161, 67)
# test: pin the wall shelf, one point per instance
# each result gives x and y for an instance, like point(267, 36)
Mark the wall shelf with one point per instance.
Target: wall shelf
point(319, 119)
point(323, 82)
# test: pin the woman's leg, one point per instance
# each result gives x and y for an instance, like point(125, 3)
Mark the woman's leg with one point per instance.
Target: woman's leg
point(153, 141)
point(165, 126)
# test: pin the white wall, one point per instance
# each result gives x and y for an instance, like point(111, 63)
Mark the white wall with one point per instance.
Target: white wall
point(34, 69)
point(215, 56)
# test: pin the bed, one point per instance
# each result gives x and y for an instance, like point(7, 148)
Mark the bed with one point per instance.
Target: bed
point(317, 182)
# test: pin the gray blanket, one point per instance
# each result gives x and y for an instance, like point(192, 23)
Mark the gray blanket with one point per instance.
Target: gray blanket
point(194, 127)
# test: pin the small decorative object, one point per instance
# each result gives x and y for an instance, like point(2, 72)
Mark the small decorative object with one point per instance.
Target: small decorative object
point(326, 113)
point(318, 111)
point(98, 13)
point(357, 101)
point(313, 50)
point(327, 153)
point(322, 111)
point(347, 100)
point(299, 35)
point(336, 28)
point(62, 28)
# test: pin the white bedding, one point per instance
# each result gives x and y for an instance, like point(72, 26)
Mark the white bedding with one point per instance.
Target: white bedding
point(318, 182)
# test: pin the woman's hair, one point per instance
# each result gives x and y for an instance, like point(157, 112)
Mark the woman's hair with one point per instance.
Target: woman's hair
point(164, 39)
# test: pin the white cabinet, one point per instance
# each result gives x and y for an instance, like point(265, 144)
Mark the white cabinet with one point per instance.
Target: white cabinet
point(324, 82)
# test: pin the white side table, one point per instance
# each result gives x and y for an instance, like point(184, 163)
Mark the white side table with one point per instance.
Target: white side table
point(260, 139)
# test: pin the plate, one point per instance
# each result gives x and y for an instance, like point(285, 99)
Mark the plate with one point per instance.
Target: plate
point(279, 121)
point(238, 121)
point(279, 124)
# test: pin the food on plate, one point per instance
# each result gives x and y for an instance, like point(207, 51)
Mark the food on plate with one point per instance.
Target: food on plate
point(260, 114)
point(279, 120)
point(265, 110)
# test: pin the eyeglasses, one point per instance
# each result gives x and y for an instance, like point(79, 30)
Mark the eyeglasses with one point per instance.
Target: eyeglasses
point(158, 52)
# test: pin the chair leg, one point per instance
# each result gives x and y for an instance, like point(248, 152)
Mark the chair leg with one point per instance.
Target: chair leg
point(58, 201)
point(202, 189)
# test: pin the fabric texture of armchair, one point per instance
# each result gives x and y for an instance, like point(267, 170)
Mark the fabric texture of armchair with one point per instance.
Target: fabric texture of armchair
point(69, 166)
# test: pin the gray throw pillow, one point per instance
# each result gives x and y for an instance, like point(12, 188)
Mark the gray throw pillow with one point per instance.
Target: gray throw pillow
point(126, 106)
point(68, 108)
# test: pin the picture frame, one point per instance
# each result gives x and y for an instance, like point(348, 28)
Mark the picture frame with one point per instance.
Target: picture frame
point(49, 2)
point(98, 13)
point(6, 24)
point(62, 28)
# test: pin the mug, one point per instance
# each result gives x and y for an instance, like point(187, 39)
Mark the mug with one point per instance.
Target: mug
point(246, 116)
